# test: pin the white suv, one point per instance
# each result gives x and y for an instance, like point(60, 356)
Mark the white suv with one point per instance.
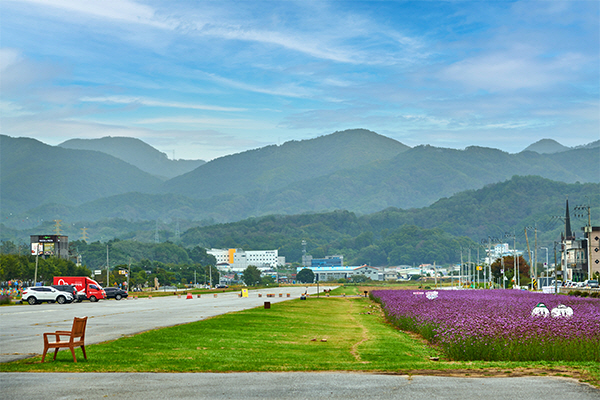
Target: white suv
point(37, 294)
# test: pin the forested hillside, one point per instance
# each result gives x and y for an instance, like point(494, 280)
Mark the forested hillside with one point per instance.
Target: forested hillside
point(414, 179)
point(389, 237)
point(34, 173)
point(269, 168)
point(137, 153)
point(405, 236)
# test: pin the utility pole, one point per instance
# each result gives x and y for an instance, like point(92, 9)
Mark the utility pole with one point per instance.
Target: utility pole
point(588, 234)
point(37, 255)
point(435, 274)
point(128, 273)
point(535, 252)
point(555, 272)
point(107, 267)
point(469, 267)
point(529, 255)
point(460, 277)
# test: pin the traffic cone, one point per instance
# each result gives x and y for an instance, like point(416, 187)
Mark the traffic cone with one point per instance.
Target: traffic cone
point(189, 296)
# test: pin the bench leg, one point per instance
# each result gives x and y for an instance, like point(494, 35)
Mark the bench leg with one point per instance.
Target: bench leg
point(83, 349)
point(73, 352)
point(55, 353)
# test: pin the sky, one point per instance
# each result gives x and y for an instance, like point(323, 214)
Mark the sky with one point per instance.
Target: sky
point(204, 79)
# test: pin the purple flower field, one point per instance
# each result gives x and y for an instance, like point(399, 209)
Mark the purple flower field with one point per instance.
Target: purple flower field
point(497, 324)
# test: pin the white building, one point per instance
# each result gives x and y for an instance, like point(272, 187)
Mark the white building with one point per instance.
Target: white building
point(237, 260)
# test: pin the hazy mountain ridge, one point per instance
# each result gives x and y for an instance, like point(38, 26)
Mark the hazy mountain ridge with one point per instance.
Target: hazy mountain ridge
point(355, 170)
point(550, 146)
point(546, 146)
point(34, 173)
point(137, 153)
point(494, 210)
point(272, 167)
point(414, 179)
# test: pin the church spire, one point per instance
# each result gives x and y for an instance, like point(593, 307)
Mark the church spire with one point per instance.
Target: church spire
point(568, 233)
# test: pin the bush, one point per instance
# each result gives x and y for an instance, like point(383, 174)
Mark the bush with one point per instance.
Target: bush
point(5, 299)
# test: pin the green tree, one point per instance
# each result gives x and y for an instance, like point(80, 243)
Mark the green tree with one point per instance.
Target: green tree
point(360, 278)
point(251, 276)
point(305, 276)
point(268, 280)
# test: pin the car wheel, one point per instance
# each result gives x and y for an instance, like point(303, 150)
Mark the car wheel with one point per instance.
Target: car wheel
point(32, 300)
point(118, 297)
point(61, 300)
point(93, 299)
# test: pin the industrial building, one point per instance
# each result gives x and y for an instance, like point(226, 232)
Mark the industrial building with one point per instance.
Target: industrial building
point(237, 260)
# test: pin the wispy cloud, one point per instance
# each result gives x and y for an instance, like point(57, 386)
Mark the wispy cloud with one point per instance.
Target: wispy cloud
point(119, 10)
point(157, 103)
point(509, 71)
point(254, 72)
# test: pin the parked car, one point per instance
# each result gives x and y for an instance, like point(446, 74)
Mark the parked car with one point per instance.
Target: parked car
point(38, 294)
point(592, 283)
point(115, 293)
point(69, 289)
point(221, 286)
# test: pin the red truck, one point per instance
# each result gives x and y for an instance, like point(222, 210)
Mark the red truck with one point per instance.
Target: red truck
point(87, 288)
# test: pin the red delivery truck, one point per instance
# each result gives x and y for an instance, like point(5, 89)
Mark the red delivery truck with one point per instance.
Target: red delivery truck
point(87, 288)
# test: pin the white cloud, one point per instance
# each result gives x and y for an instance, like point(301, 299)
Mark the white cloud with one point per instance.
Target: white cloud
point(8, 57)
point(220, 123)
point(289, 90)
point(156, 103)
point(118, 10)
point(508, 72)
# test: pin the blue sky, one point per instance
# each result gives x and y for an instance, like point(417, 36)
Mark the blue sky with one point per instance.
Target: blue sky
point(203, 79)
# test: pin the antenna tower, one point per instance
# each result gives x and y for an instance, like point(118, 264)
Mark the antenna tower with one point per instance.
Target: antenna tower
point(57, 226)
point(84, 235)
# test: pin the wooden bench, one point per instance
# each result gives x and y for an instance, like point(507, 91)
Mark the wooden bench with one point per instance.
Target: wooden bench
point(76, 337)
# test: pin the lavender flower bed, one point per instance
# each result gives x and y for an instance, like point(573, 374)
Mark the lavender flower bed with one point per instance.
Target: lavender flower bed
point(497, 324)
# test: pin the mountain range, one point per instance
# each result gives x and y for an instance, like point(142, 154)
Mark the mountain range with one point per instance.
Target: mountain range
point(137, 153)
point(355, 170)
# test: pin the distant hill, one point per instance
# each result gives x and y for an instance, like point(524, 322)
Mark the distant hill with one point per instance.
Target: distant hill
point(416, 178)
point(496, 211)
point(546, 146)
point(136, 152)
point(33, 173)
point(592, 145)
point(392, 236)
point(270, 168)
point(357, 170)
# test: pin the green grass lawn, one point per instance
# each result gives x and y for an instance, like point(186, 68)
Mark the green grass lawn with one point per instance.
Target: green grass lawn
point(318, 334)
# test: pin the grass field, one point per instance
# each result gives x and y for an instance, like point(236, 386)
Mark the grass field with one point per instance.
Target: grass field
point(319, 334)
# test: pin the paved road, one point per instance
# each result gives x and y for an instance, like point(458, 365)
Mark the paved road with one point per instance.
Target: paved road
point(22, 327)
point(283, 386)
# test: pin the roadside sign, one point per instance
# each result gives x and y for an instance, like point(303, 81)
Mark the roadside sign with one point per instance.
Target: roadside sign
point(97, 272)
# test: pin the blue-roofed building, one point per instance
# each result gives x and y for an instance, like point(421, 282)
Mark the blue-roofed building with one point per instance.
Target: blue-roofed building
point(329, 261)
